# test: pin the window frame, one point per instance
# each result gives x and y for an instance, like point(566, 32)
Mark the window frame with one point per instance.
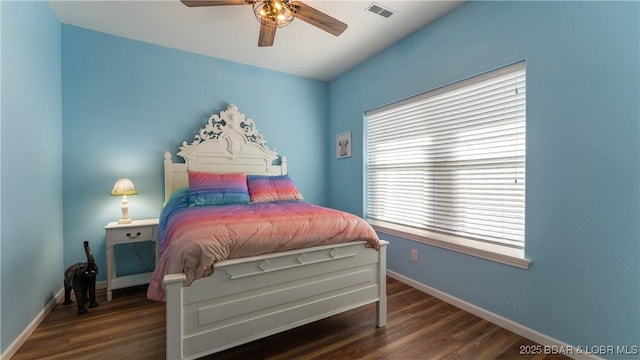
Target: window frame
point(488, 250)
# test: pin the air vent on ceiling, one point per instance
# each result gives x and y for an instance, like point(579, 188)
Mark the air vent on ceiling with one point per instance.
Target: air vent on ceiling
point(380, 10)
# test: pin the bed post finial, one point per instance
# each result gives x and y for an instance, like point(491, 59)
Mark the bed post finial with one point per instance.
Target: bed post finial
point(168, 175)
point(283, 165)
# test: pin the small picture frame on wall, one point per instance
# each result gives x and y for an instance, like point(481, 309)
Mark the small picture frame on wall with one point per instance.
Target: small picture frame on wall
point(343, 145)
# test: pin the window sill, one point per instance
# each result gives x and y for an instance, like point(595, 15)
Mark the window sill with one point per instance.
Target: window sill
point(502, 254)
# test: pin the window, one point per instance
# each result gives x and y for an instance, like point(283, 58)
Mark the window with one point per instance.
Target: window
point(447, 166)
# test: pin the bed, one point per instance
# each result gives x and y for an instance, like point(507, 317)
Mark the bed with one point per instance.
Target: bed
point(246, 297)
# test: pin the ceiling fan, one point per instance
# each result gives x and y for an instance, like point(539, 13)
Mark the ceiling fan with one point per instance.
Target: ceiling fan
point(273, 14)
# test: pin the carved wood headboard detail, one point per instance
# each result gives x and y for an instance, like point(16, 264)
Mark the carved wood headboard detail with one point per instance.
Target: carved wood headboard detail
point(228, 143)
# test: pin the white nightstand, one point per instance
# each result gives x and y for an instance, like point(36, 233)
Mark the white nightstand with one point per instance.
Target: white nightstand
point(137, 231)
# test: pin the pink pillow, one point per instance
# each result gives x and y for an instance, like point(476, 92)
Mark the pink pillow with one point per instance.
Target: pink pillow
point(264, 188)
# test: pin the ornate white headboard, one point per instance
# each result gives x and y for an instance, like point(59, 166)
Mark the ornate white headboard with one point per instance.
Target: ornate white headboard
point(228, 143)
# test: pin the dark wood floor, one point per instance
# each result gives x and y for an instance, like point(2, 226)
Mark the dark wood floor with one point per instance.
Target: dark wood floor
point(419, 326)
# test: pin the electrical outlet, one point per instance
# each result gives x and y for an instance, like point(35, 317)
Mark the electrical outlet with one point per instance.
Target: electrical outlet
point(414, 255)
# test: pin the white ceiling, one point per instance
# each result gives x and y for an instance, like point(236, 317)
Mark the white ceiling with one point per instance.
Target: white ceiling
point(231, 32)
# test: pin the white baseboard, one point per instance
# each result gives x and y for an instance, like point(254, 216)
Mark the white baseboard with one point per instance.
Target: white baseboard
point(548, 343)
point(24, 335)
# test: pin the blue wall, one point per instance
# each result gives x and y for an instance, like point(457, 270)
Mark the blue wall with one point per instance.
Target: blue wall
point(583, 159)
point(31, 166)
point(127, 102)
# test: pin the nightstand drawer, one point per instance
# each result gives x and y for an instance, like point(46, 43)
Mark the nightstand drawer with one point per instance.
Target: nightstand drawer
point(131, 234)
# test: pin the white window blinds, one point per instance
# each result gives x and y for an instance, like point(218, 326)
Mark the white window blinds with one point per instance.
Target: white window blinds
point(452, 160)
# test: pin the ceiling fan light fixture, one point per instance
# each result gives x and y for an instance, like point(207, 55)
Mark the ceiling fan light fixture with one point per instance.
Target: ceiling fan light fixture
point(278, 12)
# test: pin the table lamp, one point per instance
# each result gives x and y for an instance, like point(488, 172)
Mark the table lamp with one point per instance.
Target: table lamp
point(124, 187)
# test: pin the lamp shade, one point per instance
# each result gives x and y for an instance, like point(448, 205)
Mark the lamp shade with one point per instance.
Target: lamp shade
point(124, 187)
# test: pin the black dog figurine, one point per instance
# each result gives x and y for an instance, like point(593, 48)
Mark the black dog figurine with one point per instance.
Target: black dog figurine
point(81, 277)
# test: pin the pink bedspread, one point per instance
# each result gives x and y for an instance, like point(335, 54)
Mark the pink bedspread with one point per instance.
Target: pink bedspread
point(194, 239)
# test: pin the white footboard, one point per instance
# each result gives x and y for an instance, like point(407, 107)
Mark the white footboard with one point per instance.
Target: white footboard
point(251, 298)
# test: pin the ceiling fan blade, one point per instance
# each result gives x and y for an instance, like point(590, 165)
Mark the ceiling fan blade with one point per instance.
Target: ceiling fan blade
point(319, 19)
point(193, 3)
point(267, 32)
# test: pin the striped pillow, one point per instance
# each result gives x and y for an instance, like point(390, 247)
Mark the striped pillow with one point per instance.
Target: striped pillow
point(217, 189)
point(263, 188)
